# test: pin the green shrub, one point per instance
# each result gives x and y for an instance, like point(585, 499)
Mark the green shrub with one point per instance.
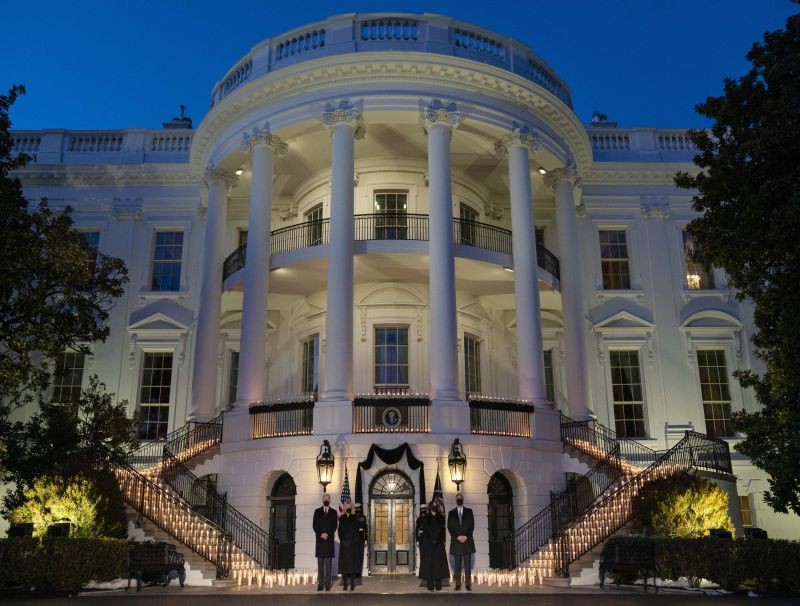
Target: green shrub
point(681, 506)
point(61, 564)
point(88, 503)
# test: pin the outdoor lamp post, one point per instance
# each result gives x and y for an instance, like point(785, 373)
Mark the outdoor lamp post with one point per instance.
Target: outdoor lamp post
point(325, 464)
point(457, 462)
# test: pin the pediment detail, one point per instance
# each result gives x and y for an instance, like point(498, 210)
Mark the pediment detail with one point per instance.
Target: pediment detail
point(623, 321)
point(391, 294)
point(711, 320)
point(163, 316)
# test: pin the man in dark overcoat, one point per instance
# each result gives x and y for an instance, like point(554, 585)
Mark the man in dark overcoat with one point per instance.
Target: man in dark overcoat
point(349, 560)
point(324, 523)
point(461, 525)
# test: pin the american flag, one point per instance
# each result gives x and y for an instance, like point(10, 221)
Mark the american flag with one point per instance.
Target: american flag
point(345, 491)
point(438, 494)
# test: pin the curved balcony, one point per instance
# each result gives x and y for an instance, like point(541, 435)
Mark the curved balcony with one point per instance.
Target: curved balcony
point(364, 33)
point(385, 226)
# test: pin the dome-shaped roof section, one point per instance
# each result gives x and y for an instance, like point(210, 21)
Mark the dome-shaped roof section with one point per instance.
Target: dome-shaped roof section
point(373, 32)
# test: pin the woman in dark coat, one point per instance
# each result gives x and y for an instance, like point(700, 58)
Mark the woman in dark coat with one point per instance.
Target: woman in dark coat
point(433, 542)
point(349, 560)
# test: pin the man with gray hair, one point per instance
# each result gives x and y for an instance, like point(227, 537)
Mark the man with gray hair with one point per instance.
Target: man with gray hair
point(325, 523)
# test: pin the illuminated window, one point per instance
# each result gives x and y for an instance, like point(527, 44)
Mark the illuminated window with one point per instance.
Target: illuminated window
point(472, 364)
point(628, 395)
point(68, 378)
point(614, 259)
point(715, 392)
point(311, 365)
point(747, 512)
point(167, 255)
point(154, 395)
point(391, 356)
point(696, 275)
point(391, 222)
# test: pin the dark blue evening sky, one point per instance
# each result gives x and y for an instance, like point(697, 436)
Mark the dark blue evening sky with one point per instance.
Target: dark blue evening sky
point(117, 64)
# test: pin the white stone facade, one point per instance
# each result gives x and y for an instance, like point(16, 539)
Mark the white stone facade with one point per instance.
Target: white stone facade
point(389, 171)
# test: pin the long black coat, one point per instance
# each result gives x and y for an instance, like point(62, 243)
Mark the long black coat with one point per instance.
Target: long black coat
point(349, 545)
point(433, 540)
point(423, 548)
point(325, 523)
point(456, 529)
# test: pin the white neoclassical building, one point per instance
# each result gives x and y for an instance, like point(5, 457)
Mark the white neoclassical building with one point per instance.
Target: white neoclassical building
point(391, 232)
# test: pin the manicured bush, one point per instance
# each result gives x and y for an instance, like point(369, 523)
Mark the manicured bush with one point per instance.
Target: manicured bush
point(61, 565)
point(681, 506)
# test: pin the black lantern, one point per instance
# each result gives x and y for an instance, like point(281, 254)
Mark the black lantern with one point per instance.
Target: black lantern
point(325, 464)
point(457, 462)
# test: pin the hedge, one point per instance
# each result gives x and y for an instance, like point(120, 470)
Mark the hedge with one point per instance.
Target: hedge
point(60, 565)
point(769, 565)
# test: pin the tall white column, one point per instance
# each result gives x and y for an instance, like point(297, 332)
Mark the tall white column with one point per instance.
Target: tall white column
point(563, 181)
point(345, 124)
point(204, 372)
point(439, 123)
point(530, 357)
point(264, 146)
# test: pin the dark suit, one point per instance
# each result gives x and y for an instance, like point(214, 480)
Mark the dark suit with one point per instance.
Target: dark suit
point(462, 552)
point(325, 549)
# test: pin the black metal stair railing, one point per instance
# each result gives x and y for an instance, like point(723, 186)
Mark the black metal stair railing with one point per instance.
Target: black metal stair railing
point(185, 442)
point(598, 440)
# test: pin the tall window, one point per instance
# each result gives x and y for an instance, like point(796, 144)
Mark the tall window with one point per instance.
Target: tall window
point(626, 387)
point(539, 233)
point(154, 395)
point(391, 222)
point(233, 377)
point(472, 364)
point(391, 356)
point(549, 380)
point(614, 259)
point(715, 391)
point(68, 378)
point(167, 255)
point(242, 238)
point(311, 365)
point(747, 511)
point(314, 219)
point(696, 275)
point(92, 240)
point(469, 217)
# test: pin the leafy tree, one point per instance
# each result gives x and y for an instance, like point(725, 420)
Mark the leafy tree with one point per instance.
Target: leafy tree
point(66, 442)
point(681, 506)
point(749, 196)
point(54, 295)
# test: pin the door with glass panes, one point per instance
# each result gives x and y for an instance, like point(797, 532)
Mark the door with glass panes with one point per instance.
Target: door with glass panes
point(391, 528)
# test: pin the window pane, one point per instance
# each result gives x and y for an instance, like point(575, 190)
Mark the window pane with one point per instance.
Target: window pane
point(614, 259)
point(154, 395)
point(628, 395)
point(715, 392)
point(697, 277)
point(472, 365)
point(167, 255)
point(233, 377)
point(391, 356)
point(68, 378)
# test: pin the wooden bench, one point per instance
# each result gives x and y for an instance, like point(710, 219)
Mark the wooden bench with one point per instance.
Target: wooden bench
point(629, 557)
point(151, 558)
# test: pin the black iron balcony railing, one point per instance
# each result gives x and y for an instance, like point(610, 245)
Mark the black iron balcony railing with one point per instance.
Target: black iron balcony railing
point(391, 226)
point(382, 413)
point(282, 418)
point(495, 417)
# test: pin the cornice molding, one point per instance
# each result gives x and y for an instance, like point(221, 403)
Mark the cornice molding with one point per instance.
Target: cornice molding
point(107, 174)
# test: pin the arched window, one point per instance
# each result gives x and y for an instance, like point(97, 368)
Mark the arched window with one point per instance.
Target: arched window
point(282, 520)
point(501, 521)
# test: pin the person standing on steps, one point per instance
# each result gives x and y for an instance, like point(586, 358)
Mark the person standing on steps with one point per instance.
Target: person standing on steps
point(349, 560)
point(363, 534)
point(423, 551)
point(434, 536)
point(324, 524)
point(461, 525)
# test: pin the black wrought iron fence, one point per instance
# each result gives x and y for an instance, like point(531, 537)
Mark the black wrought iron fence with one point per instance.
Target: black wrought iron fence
point(500, 417)
point(405, 414)
point(280, 419)
point(234, 261)
point(482, 235)
point(302, 235)
point(186, 441)
point(391, 226)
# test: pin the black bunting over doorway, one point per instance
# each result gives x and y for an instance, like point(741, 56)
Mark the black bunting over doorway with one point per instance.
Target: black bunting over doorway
point(390, 457)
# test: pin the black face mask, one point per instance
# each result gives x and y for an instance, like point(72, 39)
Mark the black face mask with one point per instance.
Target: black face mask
point(459, 502)
point(432, 510)
point(326, 503)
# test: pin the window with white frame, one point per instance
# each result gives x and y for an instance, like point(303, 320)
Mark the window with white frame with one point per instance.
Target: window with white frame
point(697, 277)
point(715, 391)
point(469, 218)
point(390, 209)
point(92, 240)
point(391, 355)
point(549, 378)
point(233, 376)
point(155, 395)
point(315, 225)
point(628, 394)
point(614, 259)
point(747, 510)
point(68, 378)
point(310, 383)
point(472, 364)
point(167, 256)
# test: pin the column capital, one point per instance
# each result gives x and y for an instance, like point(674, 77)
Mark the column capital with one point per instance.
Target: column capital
point(567, 174)
point(214, 176)
point(436, 113)
point(264, 138)
point(518, 138)
point(347, 115)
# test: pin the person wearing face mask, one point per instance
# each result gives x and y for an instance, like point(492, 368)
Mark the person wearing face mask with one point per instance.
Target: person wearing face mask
point(461, 525)
point(423, 551)
point(324, 524)
point(433, 542)
point(348, 547)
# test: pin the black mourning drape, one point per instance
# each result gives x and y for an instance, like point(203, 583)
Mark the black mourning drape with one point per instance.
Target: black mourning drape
point(391, 457)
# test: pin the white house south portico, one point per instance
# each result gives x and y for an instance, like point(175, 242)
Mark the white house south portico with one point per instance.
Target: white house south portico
point(390, 240)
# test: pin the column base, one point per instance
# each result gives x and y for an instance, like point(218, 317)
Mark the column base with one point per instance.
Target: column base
point(449, 416)
point(236, 423)
point(333, 417)
point(546, 424)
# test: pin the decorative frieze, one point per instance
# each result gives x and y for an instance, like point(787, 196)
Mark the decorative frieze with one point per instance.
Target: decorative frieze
point(518, 138)
point(656, 208)
point(126, 208)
